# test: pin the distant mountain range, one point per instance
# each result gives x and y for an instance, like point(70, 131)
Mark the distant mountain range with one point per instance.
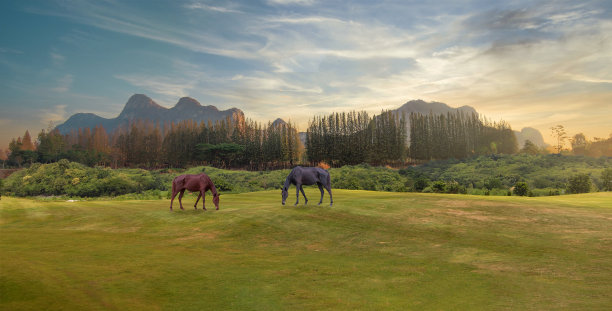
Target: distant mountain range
point(529, 133)
point(141, 107)
point(423, 107)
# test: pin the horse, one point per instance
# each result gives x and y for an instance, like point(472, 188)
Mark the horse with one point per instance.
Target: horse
point(193, 183)
point(307, 176)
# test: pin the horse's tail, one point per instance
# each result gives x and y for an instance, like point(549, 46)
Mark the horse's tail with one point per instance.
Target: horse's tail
point(177, 183)
point(328, 179)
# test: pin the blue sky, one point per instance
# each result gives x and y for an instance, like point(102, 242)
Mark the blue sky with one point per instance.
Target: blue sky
point(531, 63)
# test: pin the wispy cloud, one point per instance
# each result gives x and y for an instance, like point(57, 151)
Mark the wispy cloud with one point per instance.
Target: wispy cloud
point(162, 85)
point(291, 2)
point(207, 7)
point(57, 59)
point(54, 115)
point(63, 84)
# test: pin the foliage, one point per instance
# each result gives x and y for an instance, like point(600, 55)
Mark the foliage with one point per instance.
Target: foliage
point(539, 171)
point(355, 137)
point(421, 183)
point(75, 179)
point(606, 179)
point(580, 183)
point(457, 135)
point(492, 175)
point(438, 186)
point(220, 153)
point(521, 188)
point(559, 133)
point(596, 148)
point(530, 148)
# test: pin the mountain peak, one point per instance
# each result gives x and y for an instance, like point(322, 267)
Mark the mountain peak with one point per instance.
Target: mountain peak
point(187, 102)
point(138, 103)
point(423, 107)
point(278, 122)
point(142, 107)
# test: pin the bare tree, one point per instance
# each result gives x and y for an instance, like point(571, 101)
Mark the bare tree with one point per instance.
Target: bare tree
point(559, 132)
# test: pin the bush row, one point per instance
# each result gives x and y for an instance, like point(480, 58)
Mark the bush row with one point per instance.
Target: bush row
point(479, 176)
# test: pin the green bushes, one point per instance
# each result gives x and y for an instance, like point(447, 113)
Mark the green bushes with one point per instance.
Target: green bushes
point(74, 179)
point(494, 175)
point(580, 183)
point(521, 188)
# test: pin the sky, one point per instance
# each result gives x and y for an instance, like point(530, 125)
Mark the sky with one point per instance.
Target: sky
point(530, 63)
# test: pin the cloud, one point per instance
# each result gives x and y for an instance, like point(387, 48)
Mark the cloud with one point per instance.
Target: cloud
point(207, 7)
point(291, 2)
point(57, 59)
point(63, 84)
point(170, 87)
point(55, 115)
point(10, 50)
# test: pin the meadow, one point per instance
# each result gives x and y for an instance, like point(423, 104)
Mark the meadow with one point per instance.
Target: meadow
point(370, 251)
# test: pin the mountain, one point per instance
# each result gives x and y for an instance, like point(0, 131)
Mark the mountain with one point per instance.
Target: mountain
point(423, 107)
point(529, 133)
point(279, 122)
point(141, 107)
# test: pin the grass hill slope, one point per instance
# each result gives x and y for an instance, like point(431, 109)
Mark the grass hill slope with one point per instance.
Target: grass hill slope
point(372, 250)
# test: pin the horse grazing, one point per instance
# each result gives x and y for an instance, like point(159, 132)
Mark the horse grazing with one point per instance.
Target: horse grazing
point(307, 176)
point(193, 183)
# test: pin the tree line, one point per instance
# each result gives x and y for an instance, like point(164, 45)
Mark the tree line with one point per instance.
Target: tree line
point(458, 135)
point(228, 143)
point(355, 137)
point(346, 138)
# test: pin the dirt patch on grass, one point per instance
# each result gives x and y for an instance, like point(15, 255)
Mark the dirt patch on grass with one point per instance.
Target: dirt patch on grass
point(200, 235)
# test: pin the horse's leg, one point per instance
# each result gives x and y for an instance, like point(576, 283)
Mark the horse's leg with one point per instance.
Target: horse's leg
point(297, 193)
point(321, 189)
point(198, 199)
point(180, 197)
point(304, 194)
point(203, 194)
point(172, 200)
point(331, 200)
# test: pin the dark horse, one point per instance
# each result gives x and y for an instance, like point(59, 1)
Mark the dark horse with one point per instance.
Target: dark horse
point(307, 176)
point(193, 183)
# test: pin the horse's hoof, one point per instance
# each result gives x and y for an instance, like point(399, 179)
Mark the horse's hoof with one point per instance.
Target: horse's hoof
point(217, 208)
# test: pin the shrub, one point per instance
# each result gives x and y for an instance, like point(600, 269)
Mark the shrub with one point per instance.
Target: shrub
point(491, 183)
point(420, 184)
point(438, 186)
point(521, 188)
point(455, 187)
point(221, 184)
point(606, 179)
point(580, 183)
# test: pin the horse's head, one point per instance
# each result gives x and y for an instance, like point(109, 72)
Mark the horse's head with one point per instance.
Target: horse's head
point(284, 194)
point(216, 200)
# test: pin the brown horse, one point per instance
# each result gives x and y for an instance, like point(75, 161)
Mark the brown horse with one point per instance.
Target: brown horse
point(193, 183)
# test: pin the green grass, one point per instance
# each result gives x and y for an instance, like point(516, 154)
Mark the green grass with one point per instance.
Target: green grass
point(371, 251)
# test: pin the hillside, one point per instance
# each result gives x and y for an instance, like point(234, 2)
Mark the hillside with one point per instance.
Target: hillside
point(372, 250)
point(141, 107)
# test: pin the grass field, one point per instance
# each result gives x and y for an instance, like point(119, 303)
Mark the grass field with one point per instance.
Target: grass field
point(371, 251)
